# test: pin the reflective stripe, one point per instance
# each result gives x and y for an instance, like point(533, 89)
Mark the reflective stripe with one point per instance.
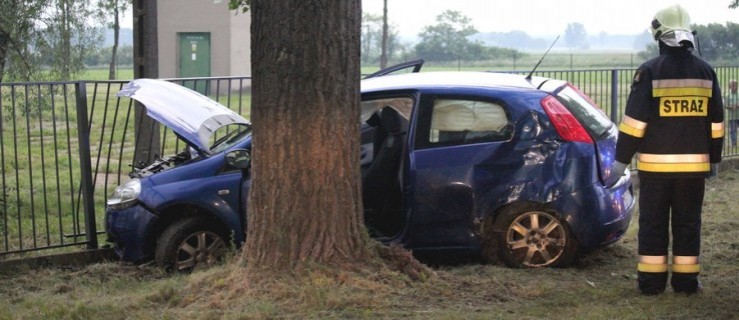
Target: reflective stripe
point(636, 124)
point(682, 88)
point(673, 167)
point(685, 260)
point(682, 92)
point(717, 130)
point(632, 127)
point(671, 83)
point(652, 268)
point(686, 268)
point(652, 264)
point(673, 162)
point(627, 129)
point(673, 158)
point(653, 259)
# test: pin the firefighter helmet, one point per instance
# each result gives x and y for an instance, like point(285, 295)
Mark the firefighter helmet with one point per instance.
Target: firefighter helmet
point(671, 25)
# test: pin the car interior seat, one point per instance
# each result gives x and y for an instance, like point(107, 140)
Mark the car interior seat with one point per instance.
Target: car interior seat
point(380, 182)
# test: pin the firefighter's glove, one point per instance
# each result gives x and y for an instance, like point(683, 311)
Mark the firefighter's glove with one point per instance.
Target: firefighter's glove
point(618, 168)
point(714, 170)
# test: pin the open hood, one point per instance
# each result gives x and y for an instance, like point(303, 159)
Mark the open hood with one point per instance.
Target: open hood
point(191, 115)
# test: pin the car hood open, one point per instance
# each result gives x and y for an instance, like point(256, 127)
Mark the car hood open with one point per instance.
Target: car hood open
point(191, 115)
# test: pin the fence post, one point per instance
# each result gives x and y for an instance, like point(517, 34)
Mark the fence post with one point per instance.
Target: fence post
point(614, 95)
point(83, 135)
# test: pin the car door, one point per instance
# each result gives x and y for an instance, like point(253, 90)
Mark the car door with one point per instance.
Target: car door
point(458, 149)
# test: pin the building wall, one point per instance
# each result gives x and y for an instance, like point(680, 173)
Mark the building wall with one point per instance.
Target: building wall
point(229, 35)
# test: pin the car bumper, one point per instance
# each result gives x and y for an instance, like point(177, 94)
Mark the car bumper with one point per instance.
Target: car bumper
point(131, 231)
point(598, 223)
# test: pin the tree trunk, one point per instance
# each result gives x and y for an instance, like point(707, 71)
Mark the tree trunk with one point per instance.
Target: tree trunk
point(383, 55)
point(4, 41)
point(146, 65)
point(305, 203)
point(116, 35)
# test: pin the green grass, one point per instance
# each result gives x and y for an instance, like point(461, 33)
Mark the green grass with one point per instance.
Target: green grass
point(600, 285)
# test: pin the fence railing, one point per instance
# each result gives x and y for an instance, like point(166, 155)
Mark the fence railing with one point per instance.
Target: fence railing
point(65, 146)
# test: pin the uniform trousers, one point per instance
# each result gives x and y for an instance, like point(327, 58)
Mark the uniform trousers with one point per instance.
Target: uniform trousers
point(665, 203)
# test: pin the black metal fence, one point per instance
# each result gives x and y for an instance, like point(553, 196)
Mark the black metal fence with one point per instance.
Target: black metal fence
point(65, 146)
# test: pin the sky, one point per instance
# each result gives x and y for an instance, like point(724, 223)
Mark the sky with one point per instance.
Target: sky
point(546, 17)
point(541, 17)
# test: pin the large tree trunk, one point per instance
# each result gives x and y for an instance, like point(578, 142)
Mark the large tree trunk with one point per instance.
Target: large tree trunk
point(305, 203)
point(145, 65)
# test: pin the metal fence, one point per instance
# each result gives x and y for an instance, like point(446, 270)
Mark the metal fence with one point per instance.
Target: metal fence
point(65, 146)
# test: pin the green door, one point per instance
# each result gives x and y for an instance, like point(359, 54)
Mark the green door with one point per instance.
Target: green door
point(195, 59)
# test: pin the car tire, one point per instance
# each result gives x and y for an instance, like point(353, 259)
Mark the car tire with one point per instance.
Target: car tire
point(190, 243)
point(531, 237)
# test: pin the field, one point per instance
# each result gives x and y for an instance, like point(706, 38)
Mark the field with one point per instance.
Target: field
point(600, 286)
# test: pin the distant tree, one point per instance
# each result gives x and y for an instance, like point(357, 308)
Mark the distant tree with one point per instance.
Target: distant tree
point(643, 40)
point(385, 36)
point(716, 43)
point(17, 31)
point(515, 39)
point(576, 36)
point(37, 33)
point(66, 35)
point(734, 4)
point(112, 9)
point(372, 34)
point(448, 40)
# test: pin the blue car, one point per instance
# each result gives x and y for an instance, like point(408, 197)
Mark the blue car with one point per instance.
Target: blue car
point(502, 166)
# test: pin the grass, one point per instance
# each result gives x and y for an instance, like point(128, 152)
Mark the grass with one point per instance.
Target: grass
point(600, 285)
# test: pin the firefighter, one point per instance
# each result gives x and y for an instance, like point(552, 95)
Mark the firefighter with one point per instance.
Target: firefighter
point(674, 124)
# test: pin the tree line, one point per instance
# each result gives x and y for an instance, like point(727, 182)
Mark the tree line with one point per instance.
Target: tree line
point(51, 40)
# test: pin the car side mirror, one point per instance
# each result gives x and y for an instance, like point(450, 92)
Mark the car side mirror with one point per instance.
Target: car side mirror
point(238, 158)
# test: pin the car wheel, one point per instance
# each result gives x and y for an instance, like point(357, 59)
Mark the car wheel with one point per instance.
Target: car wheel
point(188, 244)
point(533, 238)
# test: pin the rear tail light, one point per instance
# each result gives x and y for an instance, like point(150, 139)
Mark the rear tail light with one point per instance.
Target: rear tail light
point(564, 122)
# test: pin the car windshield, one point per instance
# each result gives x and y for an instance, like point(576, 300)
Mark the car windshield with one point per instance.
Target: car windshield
point(228, 136)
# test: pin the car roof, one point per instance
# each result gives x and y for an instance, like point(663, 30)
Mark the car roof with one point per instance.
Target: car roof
point(193, 116)
point(457, 79)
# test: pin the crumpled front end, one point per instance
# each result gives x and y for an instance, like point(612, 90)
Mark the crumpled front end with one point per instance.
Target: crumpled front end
point(126, 228)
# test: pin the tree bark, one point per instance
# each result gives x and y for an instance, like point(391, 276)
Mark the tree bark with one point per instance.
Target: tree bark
point(116, 36)
point(146, 65)
point(305, 202)
point(383, 55)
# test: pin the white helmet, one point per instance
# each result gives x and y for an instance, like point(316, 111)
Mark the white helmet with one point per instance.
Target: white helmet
point(672, 26)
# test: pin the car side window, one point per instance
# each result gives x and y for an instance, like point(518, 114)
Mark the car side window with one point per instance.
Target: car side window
point(456, 121)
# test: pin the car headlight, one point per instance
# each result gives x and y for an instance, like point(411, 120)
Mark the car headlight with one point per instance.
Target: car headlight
point(125, 195)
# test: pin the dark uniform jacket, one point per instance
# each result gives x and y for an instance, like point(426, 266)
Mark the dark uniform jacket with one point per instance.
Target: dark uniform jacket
point(674, 117)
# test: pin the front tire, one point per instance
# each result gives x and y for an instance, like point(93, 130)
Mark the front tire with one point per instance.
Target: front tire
point(533, 238)
point(190, 243)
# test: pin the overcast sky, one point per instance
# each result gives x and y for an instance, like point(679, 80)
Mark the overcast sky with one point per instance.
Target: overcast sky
point(546, 17)
point(541, 17)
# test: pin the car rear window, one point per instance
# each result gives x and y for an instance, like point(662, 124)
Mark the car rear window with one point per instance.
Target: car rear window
point(585, 111)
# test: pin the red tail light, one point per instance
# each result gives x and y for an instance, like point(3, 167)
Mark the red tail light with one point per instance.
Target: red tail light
point(566, 124)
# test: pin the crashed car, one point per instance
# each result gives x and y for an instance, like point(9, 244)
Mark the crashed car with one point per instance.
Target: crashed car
point(502, 166)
